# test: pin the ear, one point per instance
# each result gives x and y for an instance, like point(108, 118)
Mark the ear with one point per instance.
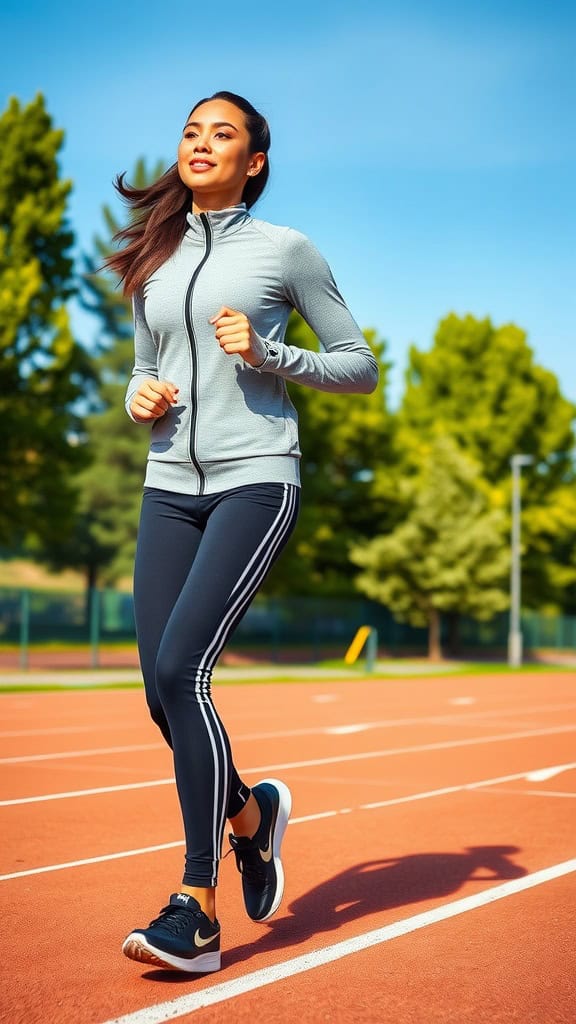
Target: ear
point(257, 161)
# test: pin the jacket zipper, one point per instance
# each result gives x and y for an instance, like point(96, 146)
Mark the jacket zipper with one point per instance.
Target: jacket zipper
point(194, 389)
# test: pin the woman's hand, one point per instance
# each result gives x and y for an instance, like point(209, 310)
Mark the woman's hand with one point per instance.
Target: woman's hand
point(152, 399)
point(236, 336)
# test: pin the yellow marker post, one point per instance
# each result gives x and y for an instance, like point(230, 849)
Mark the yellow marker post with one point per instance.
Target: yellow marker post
point(353, 652)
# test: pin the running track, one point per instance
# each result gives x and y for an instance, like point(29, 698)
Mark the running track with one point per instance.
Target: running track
point(431, 859)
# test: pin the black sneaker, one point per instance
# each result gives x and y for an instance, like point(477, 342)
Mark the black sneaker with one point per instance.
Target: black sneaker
point(182, 938)
point(258, 859)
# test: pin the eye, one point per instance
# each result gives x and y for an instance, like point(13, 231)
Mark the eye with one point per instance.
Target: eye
point(189, 134)
point(223, 135)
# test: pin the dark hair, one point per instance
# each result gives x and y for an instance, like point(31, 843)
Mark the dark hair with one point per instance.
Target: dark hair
point(153, 236)
point(259, 132)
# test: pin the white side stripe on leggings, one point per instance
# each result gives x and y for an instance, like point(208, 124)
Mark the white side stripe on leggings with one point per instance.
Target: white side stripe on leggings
point(219, 822)
point(282, 524)
point(277, 532)
point(219, 796)
point(257, 566)
point(262, 546)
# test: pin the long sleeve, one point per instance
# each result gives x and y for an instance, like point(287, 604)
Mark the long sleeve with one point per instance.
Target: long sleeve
point(145, 353)
point(346, 363)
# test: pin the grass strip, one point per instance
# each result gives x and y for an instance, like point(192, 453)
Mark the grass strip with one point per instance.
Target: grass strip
point(353, 675)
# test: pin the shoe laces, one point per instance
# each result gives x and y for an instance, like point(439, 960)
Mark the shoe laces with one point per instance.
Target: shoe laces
point(175, 919)
point(249, 863)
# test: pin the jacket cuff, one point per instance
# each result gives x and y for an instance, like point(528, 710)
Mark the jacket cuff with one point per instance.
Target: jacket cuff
point(272, 361)
point(127, 404)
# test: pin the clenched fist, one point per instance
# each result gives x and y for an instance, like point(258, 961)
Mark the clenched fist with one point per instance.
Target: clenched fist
point(236, 336)
point(152, 399)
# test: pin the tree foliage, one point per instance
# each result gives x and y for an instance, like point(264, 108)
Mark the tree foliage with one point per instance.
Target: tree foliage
point(103, 540)
point(344, 439)
point(43, 370)
point(448, 553)
point(479, 384)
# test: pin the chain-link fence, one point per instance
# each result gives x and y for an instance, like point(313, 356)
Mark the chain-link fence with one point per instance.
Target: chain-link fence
point(274, 629)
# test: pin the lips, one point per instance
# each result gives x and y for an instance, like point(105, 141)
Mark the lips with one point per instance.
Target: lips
point(201, 165)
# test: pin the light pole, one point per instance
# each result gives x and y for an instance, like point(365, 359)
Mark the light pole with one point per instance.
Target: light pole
point(515, 634)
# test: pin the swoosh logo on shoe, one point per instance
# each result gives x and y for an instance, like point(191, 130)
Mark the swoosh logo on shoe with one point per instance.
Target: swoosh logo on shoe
point(199, 941)
point(266, 855)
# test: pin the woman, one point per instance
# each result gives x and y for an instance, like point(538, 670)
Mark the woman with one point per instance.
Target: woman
point(212, 289)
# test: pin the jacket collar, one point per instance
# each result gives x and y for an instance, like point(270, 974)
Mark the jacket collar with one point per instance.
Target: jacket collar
point(221, 221)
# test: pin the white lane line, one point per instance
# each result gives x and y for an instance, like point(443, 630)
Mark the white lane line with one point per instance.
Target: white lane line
point(452, 789)
point(423, 748)
point(287, 765)
point(536, 792)
point(91, 860)
point(226, 990)
point(86, 792)
point(334, 730)
point(348, 730)
point(63, 730)
point(543, 774)
point(81, 753)
point(454, 718)
point(484, 783)
point(387, 723)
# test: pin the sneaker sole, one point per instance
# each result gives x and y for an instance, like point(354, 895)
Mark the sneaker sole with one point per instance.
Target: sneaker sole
point(284, 809)
point(135, 947)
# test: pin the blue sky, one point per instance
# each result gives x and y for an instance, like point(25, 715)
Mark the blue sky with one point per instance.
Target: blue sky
point(428, 149)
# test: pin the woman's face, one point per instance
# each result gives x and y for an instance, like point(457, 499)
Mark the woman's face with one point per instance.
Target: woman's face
point(214, 158)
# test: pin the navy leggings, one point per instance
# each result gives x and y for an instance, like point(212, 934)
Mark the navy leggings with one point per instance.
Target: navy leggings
point(199, 562)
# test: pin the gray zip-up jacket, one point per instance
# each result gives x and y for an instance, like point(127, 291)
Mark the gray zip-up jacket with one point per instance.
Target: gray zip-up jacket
point(234, 423)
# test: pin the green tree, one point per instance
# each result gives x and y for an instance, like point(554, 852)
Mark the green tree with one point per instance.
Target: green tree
point(43, 370)
point(549, 549)
point(344, 439)
point(448, 554)
point(479, 384)
point(103, 540)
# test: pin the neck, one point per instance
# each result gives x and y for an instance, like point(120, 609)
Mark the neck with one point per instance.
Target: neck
point(215, 201)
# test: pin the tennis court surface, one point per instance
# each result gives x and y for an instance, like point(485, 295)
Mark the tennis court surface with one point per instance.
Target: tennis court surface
point(430, 860)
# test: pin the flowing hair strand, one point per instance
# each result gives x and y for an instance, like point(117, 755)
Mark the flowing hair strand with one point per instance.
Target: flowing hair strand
point(158, 211)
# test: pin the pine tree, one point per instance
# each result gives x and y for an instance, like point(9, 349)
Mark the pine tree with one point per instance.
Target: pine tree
point(103, 541)
point(43, 370)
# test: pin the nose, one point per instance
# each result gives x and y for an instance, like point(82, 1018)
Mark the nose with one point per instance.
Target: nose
point(202, 144)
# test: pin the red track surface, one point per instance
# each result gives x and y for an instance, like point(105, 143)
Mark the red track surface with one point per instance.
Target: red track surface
point(349, 874)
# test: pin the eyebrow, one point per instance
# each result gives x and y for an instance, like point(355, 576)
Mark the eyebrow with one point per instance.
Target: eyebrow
point(217, 124)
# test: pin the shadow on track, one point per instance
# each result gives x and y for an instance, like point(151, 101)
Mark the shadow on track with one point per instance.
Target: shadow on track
point(380, 885)
point(367, 888)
